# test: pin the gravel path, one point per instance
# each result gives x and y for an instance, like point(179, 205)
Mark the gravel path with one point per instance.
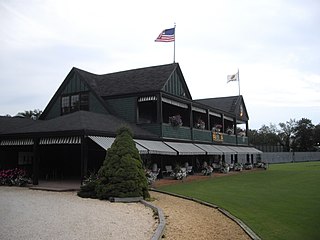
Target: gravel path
point(31, 214)
point(187, 220)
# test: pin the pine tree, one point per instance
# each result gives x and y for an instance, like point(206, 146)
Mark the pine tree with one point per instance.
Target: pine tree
point(122, 173)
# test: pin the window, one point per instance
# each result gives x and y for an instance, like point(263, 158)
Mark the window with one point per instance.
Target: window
point(25, 158)
point(65, 105)
point(74, 102)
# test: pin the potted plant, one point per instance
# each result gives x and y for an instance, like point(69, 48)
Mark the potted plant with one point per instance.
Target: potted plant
point(217, 128)
point(229, 131)
point(175, 121)
point(200, 124)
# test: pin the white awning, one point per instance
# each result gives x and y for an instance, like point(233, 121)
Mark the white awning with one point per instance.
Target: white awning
point(254, 150)
point(17, 142)
point(156, 147)
point(175, 103)
point(60, 140)
point(240, 150)
point(147, 99)
point(228, 118)
point(215, 114)
point(186, 148)
point(106, 142)
point(210, 149)
point(198, 109)
point(225, 149)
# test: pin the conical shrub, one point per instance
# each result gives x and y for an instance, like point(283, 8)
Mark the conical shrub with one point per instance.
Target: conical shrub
point(122, 173)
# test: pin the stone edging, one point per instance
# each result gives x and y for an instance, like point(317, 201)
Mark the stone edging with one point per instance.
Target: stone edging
point(162, 222)
point(245, 228)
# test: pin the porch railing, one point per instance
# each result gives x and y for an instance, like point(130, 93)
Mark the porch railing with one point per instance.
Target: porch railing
point(166, 130)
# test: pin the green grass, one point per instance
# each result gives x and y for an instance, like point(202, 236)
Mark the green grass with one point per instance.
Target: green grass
point(280, 203)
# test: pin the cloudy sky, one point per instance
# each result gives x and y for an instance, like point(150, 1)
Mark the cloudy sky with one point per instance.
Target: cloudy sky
point(275, 44)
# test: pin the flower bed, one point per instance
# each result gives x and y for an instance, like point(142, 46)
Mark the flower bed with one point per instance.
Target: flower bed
point(14, 177)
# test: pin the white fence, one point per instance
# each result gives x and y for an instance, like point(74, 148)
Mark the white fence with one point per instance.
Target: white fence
point(283, 157)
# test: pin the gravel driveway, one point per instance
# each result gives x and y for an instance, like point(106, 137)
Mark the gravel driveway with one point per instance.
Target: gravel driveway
point(32, 214)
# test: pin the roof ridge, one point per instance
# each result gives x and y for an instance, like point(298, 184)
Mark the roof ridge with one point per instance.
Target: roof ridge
point(219, 97)
point(123, 71)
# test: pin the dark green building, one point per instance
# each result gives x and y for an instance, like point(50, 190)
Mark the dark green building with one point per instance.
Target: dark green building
point(169, 127)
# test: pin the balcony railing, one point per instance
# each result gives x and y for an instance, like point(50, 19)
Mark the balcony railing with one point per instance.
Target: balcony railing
point(170, 131)
point(166, 130)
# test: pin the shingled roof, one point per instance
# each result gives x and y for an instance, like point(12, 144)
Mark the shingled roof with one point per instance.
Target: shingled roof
point(88, 122)
point(226, 104)
point(130, 81)
point(8, 124)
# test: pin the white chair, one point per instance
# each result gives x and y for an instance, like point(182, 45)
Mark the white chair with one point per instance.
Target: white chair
point(168, 170)
point(189, 170)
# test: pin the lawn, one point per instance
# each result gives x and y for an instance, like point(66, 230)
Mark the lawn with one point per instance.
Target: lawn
point(282, 202)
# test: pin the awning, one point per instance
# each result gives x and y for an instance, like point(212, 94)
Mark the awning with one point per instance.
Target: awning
point(60, 140)
point(147, 99)
point(210, 149)
point(17, 142)
point(186, 148)
point(225, 149)
point(240, 150)
point(106, 142)
point(156, 147)
point(254, 150)
point(175, 103)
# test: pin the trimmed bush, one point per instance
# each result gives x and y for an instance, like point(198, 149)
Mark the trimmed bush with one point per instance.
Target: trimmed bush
point(88, 189)
point(122, 174)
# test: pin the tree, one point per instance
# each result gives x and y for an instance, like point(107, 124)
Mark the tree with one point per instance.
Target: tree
point(33, 114)
point(304, 131)
point(269, 134)
point(122, 174)
point(316, 138)
point(287, 134)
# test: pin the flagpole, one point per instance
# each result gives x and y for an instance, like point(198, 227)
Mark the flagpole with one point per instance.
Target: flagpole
point(174, 44)
point(239, 81)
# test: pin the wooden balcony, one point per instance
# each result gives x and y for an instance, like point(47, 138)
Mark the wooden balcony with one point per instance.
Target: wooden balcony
point(166, 130)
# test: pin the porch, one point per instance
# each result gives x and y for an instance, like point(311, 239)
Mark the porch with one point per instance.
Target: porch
point(166, 130)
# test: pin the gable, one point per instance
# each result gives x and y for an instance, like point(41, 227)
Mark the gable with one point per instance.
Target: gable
point(177, 86)
point(233, 105)
point(73, 85)
point(241, 110)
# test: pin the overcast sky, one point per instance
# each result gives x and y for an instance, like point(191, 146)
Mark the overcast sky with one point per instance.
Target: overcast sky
point(275, 45)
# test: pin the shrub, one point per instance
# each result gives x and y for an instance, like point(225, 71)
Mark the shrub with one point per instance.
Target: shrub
point(122, 174)
point(88, 188)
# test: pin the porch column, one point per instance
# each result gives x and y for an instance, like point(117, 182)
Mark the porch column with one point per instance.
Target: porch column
point(247, 129)
point(159, 109)
point(36, 162)
point(84, 157)
point(208, 120)
point(191, 120)
point(235, 129)
point(222, 117)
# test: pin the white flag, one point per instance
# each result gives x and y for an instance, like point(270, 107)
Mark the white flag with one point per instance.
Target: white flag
point(233, 77)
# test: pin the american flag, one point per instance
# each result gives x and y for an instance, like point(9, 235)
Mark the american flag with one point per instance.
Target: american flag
point(166, 35)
